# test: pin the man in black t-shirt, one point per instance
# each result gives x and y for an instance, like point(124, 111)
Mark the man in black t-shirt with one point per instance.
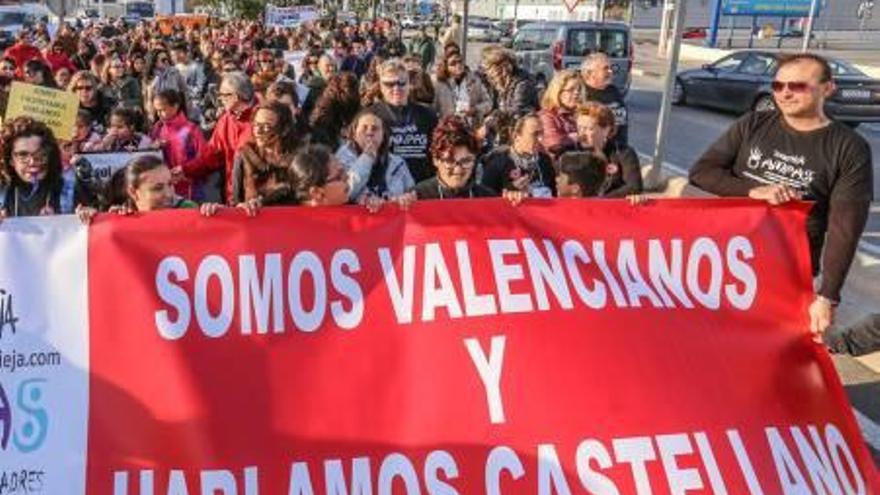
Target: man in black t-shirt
point(798, 152)
point(597, 75)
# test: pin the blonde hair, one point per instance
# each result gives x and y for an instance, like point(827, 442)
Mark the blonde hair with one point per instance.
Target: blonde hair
point(392, 65)
point(550, 100)
point(86, 75)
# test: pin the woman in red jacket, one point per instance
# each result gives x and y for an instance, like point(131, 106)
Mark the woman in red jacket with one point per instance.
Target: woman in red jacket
point(558, 113)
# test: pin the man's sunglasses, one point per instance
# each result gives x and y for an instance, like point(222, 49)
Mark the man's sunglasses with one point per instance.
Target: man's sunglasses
point(793, 86)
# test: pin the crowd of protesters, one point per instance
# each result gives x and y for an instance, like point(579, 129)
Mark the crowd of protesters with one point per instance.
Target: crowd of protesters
point(365, 119)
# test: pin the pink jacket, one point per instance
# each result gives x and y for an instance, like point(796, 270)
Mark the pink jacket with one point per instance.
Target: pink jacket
point(183, 142)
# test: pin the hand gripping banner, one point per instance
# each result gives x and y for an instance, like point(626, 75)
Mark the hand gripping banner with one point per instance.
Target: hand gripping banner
point(558, 347)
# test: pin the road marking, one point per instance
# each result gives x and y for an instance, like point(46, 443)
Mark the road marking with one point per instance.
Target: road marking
point(864, 246)
point(870, 430)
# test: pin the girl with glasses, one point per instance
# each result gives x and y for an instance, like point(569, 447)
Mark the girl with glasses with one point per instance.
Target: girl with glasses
point(31, 181)
point(454, 152)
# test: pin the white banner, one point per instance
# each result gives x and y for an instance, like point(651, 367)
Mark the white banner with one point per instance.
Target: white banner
point(44, 355)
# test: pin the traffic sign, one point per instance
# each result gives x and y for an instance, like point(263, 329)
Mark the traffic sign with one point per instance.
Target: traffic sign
point(787, 8)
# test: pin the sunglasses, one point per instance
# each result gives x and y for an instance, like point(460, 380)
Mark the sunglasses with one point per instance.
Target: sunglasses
point(83, 88)
point(793, 86)
point(400, 83)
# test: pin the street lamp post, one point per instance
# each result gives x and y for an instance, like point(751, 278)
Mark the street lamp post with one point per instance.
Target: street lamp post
point(666, 102)
point(809, 31)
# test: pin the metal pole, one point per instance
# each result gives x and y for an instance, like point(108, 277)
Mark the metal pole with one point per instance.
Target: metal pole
point(714, 24)
point(464, 30)
point(601, 13)
point(666, 102)
point(810, 21)
point(664, 26)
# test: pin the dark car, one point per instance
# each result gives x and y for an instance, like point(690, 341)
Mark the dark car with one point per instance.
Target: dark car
point(741, 81)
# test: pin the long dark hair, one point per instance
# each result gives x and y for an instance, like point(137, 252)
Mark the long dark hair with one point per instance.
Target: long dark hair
point(309, 168)
point(24, 127)
point(288, 138)
point(335, 108)
point(152, 59)
point(41, 67)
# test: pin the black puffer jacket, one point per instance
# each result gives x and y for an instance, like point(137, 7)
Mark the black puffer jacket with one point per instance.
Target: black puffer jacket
point(520, 97)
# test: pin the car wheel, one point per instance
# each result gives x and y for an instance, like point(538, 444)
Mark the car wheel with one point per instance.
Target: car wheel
point(764, 103)
point(678, 96)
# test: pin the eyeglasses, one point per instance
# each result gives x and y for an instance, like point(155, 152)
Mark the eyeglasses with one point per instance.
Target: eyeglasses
point(399, 83)
point(117, 66)
point(465, 163)
point(83, 88)
point(162, 60)
point(8, 68)
point(26, 156)
point(793, 86)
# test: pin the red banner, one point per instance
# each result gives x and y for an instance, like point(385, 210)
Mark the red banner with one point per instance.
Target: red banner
point(464, 347)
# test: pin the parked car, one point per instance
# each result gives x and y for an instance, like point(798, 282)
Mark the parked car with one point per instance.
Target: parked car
point(543, 47)
point(694, 33)
point(483, 30)
point(740, 82)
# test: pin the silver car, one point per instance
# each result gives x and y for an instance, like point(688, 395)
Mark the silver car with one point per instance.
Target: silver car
point(543, 47)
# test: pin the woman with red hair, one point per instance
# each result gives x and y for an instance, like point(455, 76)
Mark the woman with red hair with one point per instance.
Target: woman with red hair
point(454, 153)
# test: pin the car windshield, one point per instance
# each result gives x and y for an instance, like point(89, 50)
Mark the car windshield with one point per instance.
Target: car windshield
point(12, 18)
point(583, 42)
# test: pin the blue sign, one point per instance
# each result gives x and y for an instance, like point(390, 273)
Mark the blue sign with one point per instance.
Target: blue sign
point(787, 8)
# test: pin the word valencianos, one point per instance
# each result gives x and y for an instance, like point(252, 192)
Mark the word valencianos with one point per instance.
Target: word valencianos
point(306, 290)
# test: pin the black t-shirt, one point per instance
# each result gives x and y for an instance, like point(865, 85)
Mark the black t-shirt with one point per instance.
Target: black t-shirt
point(612, 98)
point(411, 127)
point(831, 166)
point(623, 174)
point(500, 170)
point(433, 189)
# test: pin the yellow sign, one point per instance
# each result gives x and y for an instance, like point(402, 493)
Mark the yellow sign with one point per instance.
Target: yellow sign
point(56, 108)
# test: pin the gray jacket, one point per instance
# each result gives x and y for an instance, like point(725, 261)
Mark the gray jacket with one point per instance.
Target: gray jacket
point(398, 180)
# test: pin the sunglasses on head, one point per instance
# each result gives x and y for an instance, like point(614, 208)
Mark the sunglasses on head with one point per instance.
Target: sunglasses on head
point(793, 86)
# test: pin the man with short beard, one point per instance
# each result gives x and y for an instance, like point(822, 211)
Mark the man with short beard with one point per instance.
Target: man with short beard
point(597, 76)
point(799, 153)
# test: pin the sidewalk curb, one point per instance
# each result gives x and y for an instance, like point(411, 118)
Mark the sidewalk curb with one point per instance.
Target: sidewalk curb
point(646, 73)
